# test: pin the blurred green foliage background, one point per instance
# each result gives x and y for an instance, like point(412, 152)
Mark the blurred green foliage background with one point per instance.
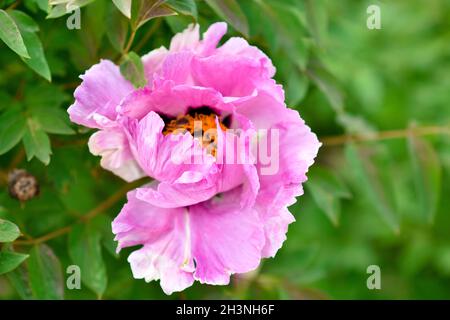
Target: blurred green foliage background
point(377, 99)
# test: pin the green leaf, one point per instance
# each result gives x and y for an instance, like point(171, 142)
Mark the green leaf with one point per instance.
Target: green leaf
point(10, 260)
point(286, 18)
point(327, 189)
point(124, 6)
point(20, 281)
point(132, 69)
point(317, 19)
point(94, 19)
point(56, 11)
point(178, 23)
point(8, 231)
point(44, 95)
point(10, 34)
point(231, 12)
point(366, 175)
point(85, 251)
point(103, 225)
point(296, 87)
point(442, 260)
point(12, 129)
point(427, 173)
point(6, 100)
point(185, 7)
point(145, 10)
point(116, 29)
point(24, 21)
point(36, 142)
point(61, 7)
point(56, 121)
point(45, 274)
point(43, 5)
point(110, 244)
point(37, 60)
point(296, 83)
point(327, 85)
point(355, 124)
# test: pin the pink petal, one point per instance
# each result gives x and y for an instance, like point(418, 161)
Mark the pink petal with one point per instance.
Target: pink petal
point(153, 62)
point(236, 164)
point(161, 260)
point(212, 37)
point(177, 67)
point(238, 76)
point(186, 40)
point(208, 242)
point(136, 104)
point(166, 254)
point(275, 227)
point(240, 47)
point(162, 157)
point(112, 145)
point(297, 148)
point(226, 239)
point(185, 182)
point(97, 97)
point(175, 195)
point(171, 160)
point(170, 100)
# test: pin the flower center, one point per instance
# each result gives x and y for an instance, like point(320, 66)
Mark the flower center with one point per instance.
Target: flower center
point(200, 124)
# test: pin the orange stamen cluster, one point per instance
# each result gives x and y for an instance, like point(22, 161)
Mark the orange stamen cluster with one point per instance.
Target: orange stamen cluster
point(199, 125)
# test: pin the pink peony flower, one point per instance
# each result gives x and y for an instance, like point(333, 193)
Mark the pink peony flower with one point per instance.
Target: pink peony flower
point(204, 216)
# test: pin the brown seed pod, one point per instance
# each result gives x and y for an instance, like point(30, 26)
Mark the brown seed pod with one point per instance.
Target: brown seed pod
point(22, 185)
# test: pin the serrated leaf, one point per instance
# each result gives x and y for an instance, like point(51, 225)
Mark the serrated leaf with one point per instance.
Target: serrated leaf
point(231, 12)
point(10, 260)
point(124, 6)
point(132, 69)
point(370, 185)
point(45, 274)
point(327, 190)
point(11, 36)
point(85, 251)
point(427, 175)
point(8, 231)
point(36, 142)
point(145, 10)
point(12, 129)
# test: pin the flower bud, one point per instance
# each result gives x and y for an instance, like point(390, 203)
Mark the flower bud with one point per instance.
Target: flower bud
point(22, 185)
